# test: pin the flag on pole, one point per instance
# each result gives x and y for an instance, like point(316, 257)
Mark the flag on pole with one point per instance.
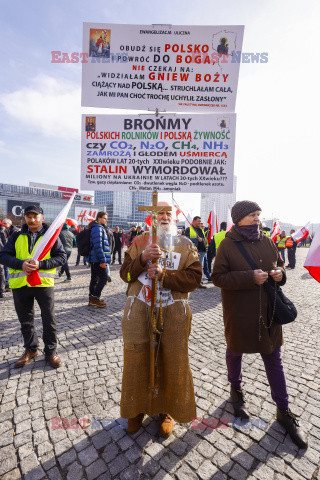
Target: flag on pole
point(148, 220)
point(229, 220)
point(275, 231)
point(302, 233)
point(312, 263)
point(47, 241)
point(72, 223)
point(188, 221)
point(178, 209)
point(213, 222)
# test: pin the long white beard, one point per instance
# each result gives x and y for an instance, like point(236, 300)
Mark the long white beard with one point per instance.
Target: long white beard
point(166, 235)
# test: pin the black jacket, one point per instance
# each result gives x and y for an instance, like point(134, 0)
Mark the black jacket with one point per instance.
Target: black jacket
point(8, 254)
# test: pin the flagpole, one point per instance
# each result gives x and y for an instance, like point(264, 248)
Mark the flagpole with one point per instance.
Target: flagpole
point(181, 211)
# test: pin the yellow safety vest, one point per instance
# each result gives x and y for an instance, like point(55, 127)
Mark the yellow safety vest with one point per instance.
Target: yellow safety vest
point(193, 234)
point(218, 237)
point(281, 242)
point(18, 278)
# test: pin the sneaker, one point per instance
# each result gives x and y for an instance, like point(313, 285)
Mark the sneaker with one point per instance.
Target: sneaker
point(109, 279)
point(68, 279)
point(59, 274)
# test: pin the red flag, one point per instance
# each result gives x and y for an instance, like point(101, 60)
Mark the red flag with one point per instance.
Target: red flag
point(275, 231)
point(312, 263)
point(178, 211)
point(229, 220)
point(72, 223)
point(47, 241)
point(148, 220)
point(213, 222)
point(302, 233)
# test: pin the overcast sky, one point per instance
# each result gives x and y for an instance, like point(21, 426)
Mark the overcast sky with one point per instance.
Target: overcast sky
point(276, 156)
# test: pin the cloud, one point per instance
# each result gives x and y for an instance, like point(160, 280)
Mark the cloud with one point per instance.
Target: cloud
point(48, 106)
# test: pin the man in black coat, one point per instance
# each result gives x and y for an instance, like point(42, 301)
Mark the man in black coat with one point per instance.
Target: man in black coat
point(117, 245)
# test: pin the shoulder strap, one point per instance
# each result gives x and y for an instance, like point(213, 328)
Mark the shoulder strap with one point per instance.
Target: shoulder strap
point(245, 254)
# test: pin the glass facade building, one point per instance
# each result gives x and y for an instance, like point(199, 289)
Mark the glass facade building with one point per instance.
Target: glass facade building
point(222, 201)
point(14, 198)
point(122, 207)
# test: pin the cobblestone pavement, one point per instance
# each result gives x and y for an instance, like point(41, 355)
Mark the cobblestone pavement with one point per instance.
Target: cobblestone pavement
point(88, 387)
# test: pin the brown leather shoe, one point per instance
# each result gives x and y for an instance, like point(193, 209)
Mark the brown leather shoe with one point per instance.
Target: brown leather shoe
point(166, 423)
point(95, 302)
point(25, 358)
point(135, 423)
point(54, 360)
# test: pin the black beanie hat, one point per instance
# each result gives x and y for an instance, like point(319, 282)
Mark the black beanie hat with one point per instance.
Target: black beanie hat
point(242, 209)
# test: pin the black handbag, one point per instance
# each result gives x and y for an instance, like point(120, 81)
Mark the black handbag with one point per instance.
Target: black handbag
point(282, 309)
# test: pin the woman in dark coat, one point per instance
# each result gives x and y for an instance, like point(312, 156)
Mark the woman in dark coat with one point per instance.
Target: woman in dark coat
point(248, 326)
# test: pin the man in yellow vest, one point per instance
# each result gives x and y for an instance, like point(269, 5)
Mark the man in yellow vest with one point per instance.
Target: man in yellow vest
point(215, 242)
point(281, 244)
point(198, 237)
point(17, 255)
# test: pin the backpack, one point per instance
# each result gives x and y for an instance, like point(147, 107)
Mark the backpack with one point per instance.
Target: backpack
point(83, 242)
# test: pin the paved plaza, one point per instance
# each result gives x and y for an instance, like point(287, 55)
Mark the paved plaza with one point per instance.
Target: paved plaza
point(40, 437)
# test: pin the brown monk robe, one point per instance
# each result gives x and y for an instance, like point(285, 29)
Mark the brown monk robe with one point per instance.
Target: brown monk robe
point(174, 393)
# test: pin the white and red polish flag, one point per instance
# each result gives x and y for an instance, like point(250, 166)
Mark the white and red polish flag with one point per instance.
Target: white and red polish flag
point(47, 241)
point(312, 263)
point(72, 223)
point(213, 222)
point(188, 221)
point(229, 220)
point(275, 231)
point(302, 233)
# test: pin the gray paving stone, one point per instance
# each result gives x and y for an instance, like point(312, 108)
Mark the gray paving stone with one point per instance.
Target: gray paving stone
point(7, 464)
point(88, 456)
point(118, 464)
point(207, 470)
point(75, 471)
point(185, 473)
point(132, 454)
point(96, 469)
point(238, 473)
point(205, 449)
point(68, 457)
point(12, 475)
point(89, 386)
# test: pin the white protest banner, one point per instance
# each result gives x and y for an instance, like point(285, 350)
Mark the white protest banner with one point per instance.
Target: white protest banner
point(83, 216)
point(167, 153)
point(169, 67)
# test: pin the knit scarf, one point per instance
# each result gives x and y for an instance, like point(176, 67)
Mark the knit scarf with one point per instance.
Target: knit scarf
point(249, 232)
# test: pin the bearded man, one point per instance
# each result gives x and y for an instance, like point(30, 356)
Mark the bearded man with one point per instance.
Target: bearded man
point(178, 273)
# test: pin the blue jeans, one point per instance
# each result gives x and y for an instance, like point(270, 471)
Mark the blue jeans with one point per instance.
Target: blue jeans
point(282, 252)
point(6, 273)
point(204, 264)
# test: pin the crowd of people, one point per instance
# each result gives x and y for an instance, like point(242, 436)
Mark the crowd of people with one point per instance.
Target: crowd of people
point(160, 276)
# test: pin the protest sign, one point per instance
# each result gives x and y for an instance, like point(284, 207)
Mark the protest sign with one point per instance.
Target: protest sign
point(172, 68)
point(167, 153)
